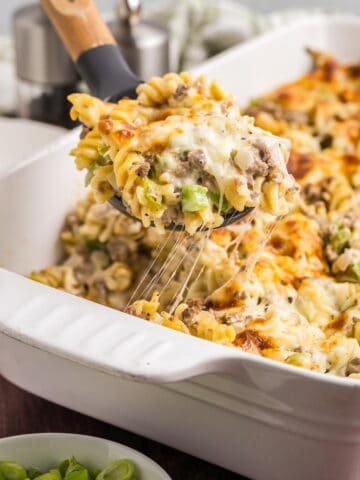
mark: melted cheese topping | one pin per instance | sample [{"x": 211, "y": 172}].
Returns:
[{"x": 294, "y": 299}]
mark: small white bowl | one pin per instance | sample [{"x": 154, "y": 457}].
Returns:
[{"x": 46, "y": 450}]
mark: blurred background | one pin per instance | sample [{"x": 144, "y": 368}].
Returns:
[
  {"x": 8, "y": 6},
  {"x": 155, "y": 36}
]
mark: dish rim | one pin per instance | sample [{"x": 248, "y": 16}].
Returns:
[{"x": 222, "y": 362}]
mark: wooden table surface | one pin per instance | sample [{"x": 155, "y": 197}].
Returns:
[{"x": 21, "y": 412}]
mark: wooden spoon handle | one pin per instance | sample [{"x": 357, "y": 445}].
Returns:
[{"x": 79, "y": 24}]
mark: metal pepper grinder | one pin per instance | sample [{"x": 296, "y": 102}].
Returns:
[
  {"x": 144, "y": 45},
  {"x": 46, "y": 75}
]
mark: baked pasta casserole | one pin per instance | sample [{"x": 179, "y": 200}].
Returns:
[
  {"x": 287, "y": 290},
  {"x": 181, "y": 154}
]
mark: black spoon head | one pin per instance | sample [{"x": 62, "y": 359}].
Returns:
[
  {"x": 229, "y": 218},
  {"x": 124, "y": 94}
]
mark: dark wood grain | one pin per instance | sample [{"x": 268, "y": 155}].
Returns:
[{"x": 21, "y": 412}]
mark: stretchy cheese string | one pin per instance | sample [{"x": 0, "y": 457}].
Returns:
[
  {"x": 179, "y": 243},
  {"x": 179, "y": 296},
  {"x": 159, "y": 249}
]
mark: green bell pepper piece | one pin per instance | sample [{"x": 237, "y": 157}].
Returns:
[{"x": 194, "y": 198}]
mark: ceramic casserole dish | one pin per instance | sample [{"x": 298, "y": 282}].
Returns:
[{"x": 265, "y": 420}]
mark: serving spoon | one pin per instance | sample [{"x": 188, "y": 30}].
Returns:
[{"x": 101, "y": 65}]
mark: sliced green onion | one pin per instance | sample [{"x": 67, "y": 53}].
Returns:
[
  {"x": 93, "y": 244},
  {"x": 12, "y": 471},
  {"x": 295, "y": 359},
  {"x": 156, "y": 164},
  {"x": 32, "y": 473},
  {"x": 219, "y": 201},
  {"x": 71, "y": 469},
  {"x": 103, "y": 150},
  {"x": 339, "y": 241},
  {"x": 119, "y": 470},
  {"x": 157, "y": 167},
  {"x": 64, "y": 466},
  {"x": 69, "y": 466},
  {"x": 355, "y": 270},
  {"x": 50, "y": 475},
  {"x": 90, "y": 173},
  {"x": 299, "y": 360},
  {"x": 152, "y": 194},
  {"x": 194, "y": 198},
  {"x": 80, "y": 474}
]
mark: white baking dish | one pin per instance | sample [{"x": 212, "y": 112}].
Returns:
[{"x": 263, "y": 419}]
